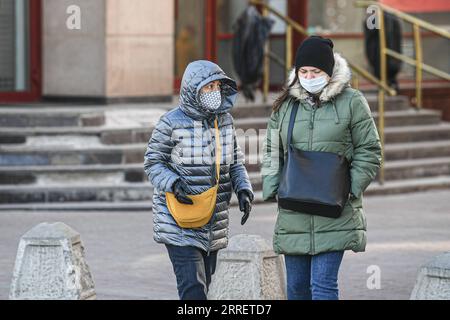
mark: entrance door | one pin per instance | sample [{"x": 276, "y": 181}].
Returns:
[
  {"x": 20, "y": 75},
  {"x": 204, "y": 30}
]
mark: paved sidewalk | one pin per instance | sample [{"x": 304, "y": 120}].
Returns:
[{"x": 405, "y": 231}]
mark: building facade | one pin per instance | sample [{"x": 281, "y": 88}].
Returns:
[{"x": 115, "y": 50}]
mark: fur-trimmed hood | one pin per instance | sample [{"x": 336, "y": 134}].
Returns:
[{"x": 338, "y": 82}]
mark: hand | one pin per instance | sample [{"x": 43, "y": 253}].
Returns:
[
  {"x": 179, "y": 190},
  {"x": 245, "y": 205}
]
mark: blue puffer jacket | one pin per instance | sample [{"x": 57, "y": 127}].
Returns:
[{"x": 182, "y": 146}]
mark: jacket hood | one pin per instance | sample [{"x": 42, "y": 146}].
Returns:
[
  {"x": 196, "y": 76},
  {"x": 338, "y": 82}
]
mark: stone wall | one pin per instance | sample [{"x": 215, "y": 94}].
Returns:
[{"x": 123, "y": 49}]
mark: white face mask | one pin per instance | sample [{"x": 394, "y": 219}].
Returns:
[
  {"x": 314, "y": 85},
  {"x": 211, "y": 100}
]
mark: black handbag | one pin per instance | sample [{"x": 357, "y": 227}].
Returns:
[{"x": 313, "y": 182}]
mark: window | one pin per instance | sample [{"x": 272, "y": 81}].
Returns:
[{"x": 14, "y": 45}]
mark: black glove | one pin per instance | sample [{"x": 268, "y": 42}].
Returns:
[
  {"x": 179, "y": 190},
  {"x": 245, "y": 205},
  {"x": 272, "y": 199}
]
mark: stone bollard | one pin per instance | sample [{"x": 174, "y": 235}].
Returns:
[
  {"x": 50, "y": 265},
  {"x": 248, "y": 270},
  {"x": 433, "y": 281}
]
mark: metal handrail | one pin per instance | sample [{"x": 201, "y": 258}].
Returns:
[
  {"x": 406, "y": 17},
  {"x": 295, "y": 26},
  {"x": 417, "y": 62},
  {"x": 434, "y": 71},
  {"x": 382, "y": 83},
  {"x": 292, "y": 25}
]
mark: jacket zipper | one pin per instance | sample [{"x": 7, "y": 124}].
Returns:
[
  {"x": 209, "y": 239},
  {"x": 211, "y": 222},
  {"x": 311, "y": 129}
]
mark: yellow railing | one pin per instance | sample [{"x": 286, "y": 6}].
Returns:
[
  {"x": 417, "y": 62},
  {"x": 382, "y": 84},
  {"x": 292, "y": 25}
]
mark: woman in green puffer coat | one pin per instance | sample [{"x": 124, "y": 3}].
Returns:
[{"x": 332, "y": 117}]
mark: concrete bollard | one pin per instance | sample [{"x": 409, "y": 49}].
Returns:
[
  {"x": 248, "y": 270},
  {"x": 50, "y": 265},
  {"x": 433, "y": 281}
]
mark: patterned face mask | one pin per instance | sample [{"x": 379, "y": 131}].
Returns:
[{"x": 211, "y": 100}]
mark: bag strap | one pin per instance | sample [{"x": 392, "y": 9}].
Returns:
[
  {"x": 218, "y": 150},
  {"x": 292, "y": 122}
]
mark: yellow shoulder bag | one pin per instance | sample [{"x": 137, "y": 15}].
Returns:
[{"x": 198, "y": 214}]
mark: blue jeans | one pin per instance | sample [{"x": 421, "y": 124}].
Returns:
[
  {"x": 193, "y": 269},
  {"x": 313, "y": 277}
]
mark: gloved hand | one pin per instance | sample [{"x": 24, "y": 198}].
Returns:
[
  {"x": 180, "y": 192},
  {"x": 245, "y": 205}
]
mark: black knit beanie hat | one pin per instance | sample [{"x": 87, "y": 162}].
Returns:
[{"x": 316, "y": 51}]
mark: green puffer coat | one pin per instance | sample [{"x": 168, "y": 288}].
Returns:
[{"x": 343, "y": 124}]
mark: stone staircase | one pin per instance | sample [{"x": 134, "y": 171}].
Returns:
[{"x": 72, "y": 158}]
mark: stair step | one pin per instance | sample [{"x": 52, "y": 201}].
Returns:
[
  {"x": 34, "y": 155},
  {"x": 112, "y": 136},
  {"x": 79, "y": 174},
  {"x": 410, "y": 117},
  {"x": 408, "y": 186},
  {"x": 16, "y": 155},
  {"x": 85, "y": 116},
  {"x": 105, "y": 135},
  {"x": 93, "y": 176},
  {"x": 393, "y": 151},
  {"x": 74, "y": 160},
  {"x": 98, "y": 205},
  {"x": 402, "y": 134},
  {"x": 419, "y": 133},
  {"x": 388, "y": 188},
  {"x": 80, "y": 193},
  {"x": 72, "y": 196},
  {"x": 265, "y": 109},
  {"x": 391, "y": 103},
  {"x": 80, "y": 206},
  {"x": 395, "y": 170},
  {"x": 418, "y": 168},
  {"x": 392, "y": 119},
  {"x": 76, "y": 174},
  {"x": 142, "y": 135},
  {"x": 50, "y": 118},
  {"x": 251, "y": 111},
  {"x": 417, "y": 150}
]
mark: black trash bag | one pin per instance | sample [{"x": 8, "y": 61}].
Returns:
[
  {"x": 251, "y": 31},
  {"x": 393, "y": 42}
]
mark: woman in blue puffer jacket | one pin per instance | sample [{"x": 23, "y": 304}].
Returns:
[{"x": 179, "y": 159}]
